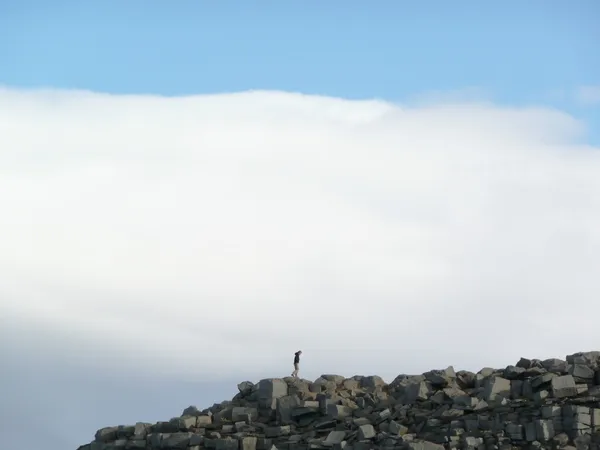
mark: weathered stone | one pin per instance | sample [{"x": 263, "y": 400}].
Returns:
[
  {"x": 424, "y": 445},
  {"x": 515, "y": 431},
  {"x": 196, "y": 439},
  {"x": 564, "y": 386},
  {"x": 372, "y": 382},
  {"x": 585, "y": 358},
  {"x": 541, "y": 380},
  {"x": 155, "y": 440},
  {"x": 248, "y": 443},
  {"x": 286, "y": 406},
  {"x": 277, "y": 431},
  {"x": 240, "y": 413},
  {"x": 191, "y": 411},
  {"x": 176, "y": 440},
  {"x": 184, "y": 422},
  {"x": 269, "y": 390},
  {"x": 141, "y": 430},
  {"x": 226, "y": 444},
  {"x": 338, "y": 411},
  {"x": 263, "y": 443},
  {"x": 397, "y": 429},
  {"x": 561, "y": 440},
  {"x": 540, "y": 396},
  {"x": 524, "y": 363},
  {"x": 366, "y": 432},
  {"x": 203, "y": 421},
  {"x": 440, "y": 378},
  {"x": 416, "y": 391},
  {"x": 495, "y": 387},
  {"x": 513, "y": 372},
  {"x": 581, "y": 372},
  {"x": 334, "y": 437},
  {"x": 106, "y": 434},
  {"x": 544, "y": 430},
  {"x": 245, "y": 387},
  {"x": 555, "y": 365}
]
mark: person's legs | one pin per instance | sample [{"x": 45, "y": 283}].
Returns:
[{"x": 295, "y": 372}]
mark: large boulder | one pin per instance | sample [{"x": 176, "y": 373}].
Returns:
[{"x": 269, "y": 390}]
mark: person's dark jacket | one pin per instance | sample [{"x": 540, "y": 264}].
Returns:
[{"x": 297, "y": 358}]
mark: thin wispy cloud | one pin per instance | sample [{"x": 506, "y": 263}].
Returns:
[
  {"x": 214, "y": 235},
  {"x": 588, "y": 95}
]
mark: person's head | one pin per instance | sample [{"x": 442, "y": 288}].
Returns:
[{"x": 299, "y": 352}]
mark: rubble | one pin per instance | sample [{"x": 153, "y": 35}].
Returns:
[{"x": 550, "y": 404}]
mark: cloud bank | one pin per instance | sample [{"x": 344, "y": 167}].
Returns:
[{"x": 214, "y": 235}]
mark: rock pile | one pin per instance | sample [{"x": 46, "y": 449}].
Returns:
[{"x": 533, "y": 404}]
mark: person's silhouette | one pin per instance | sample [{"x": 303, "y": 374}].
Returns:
[{"x": 296, "y": 363}]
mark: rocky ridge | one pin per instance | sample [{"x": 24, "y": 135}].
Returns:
[{"x": 534, "y": 404}]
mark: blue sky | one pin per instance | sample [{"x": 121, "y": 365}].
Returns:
[
  {"x": 515, "y": 52},
  {"x": 518, "y": 51}
]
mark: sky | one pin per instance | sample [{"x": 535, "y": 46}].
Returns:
[{"x": 191, "y": 192}]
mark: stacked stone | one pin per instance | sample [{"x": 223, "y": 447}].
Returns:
[{"x": 533, "y": 404}]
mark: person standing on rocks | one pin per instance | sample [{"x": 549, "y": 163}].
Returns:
[{"x": 296, "y": 363}]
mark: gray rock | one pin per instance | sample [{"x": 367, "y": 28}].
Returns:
[
  {"x": 513, "y": 372},
  {"x": 564, "y": 386},
  {"x": 495, "y": 387},
  {"x": 196, "y": 439},
  {"x": 191, "y": 411},
  {"x": 555, "y": 365},
  {"x": 372, "y": 382},
  {"x": 424, "y": 445},
  {"x": 203, "y": 421},
  {"x": 176, "y": 440},
  {"x": 524, "y": 363},
  {"x": 141, "y": 430},
  {"x": 416, "y": 391},
  {"x": 440, "y": 378},
  {"x": 269, "y": 390},
  {"x": 226, "y": 444},
  {"x": 285, "y": 407},
  {"x": 336, "y": 379},
  {"x": 515, "y": 431},
  {"x": 541, "y": 380},
  {"x": 366, "y": 432},
  {"x": 245, "y": 387},
  {"x": 544, "y": 430},
  {"x": 397, "y": 429},
  {"x": 184, "y": 423},
  {"x": 334, "y": 437},
  {"x": 240, "y": 413},
  {"x": 106, "y": 434},
  {"x": 581, "y": 372},
  {"x": 585, "y": 358},
  {"x": 338, "y": 411},
  {"x": 271, "y": 432},
  {"x": 248, "y": 443}
]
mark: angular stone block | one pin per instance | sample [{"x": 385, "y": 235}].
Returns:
[
  {"x": 366, "y": 432},
  {"x": 496, "y": 387},
  {"x": 269, "y": 390},
  {"x": 544, "y": 430},
  {"x": 334, "y": 437},
  {"x": 564, "y": 386}
]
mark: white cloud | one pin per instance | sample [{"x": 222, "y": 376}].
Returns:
[
  {"x": 215, "y": 235},
  {"x": 588, "y": 95}
]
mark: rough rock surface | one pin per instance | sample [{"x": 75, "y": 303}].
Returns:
[{"x": 534, "y": 404}]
